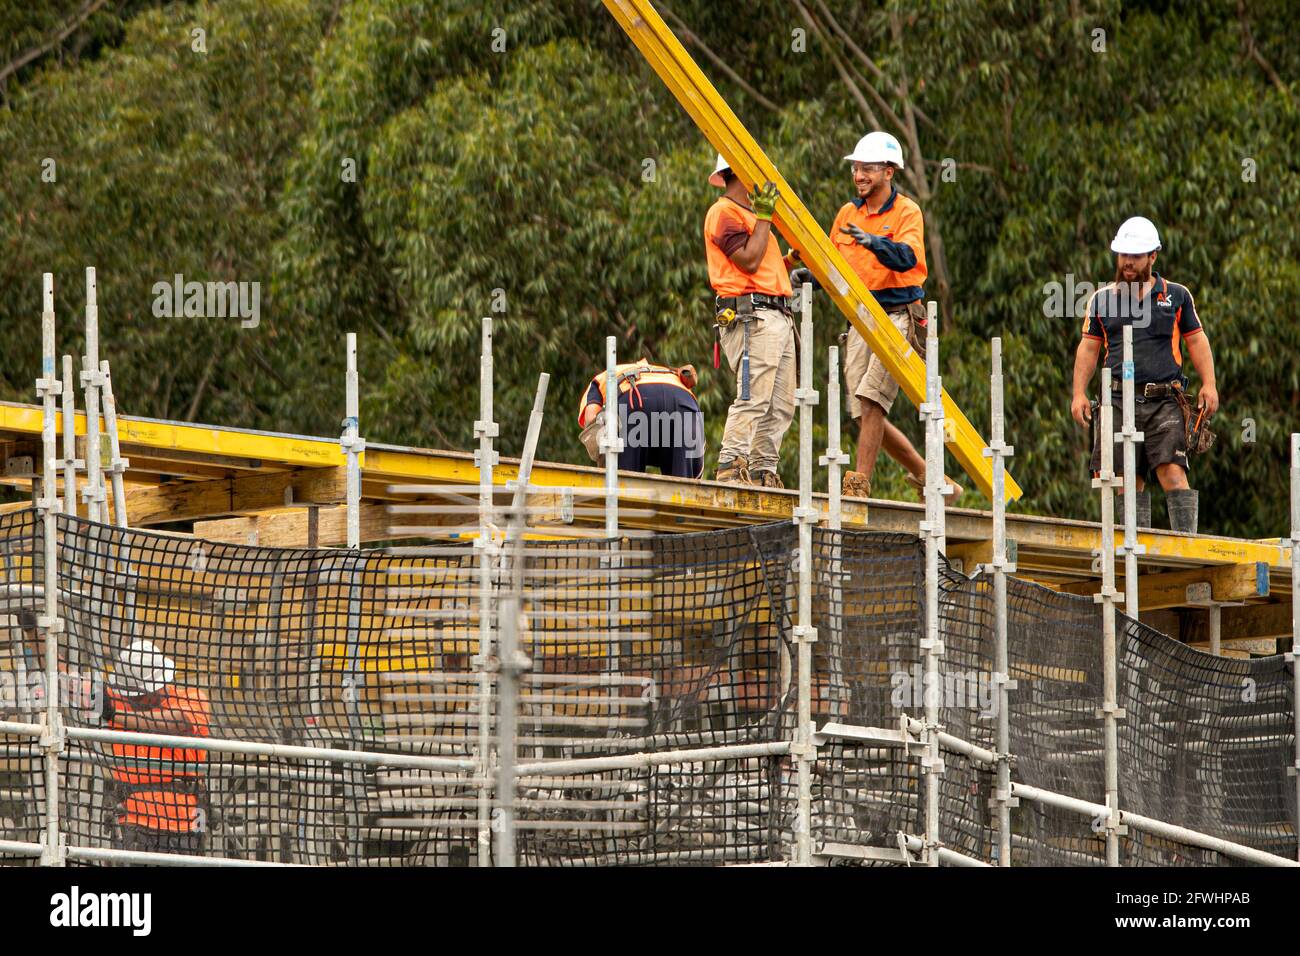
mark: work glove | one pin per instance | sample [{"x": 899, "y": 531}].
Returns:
[
  {"x": 864, "y": 239},
  {"x": 686, "y": 374},
  {"x": 763, "y": 201},
  {"x": 801, "y": 275}
]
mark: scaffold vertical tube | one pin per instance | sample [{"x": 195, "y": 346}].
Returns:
[
  {"x": 999, "y": 451},
  {"x": 93, "y": 493},
  {"x": 486, "y": 429},
  {"x": 1295, "y": 619},
  {"x": 353, "y": 445},
  {"x": 70, "y": 461},
  {"x": 613, "y": 446},
  {"x": 805, "y": 633},
  {"x": 1129, "y": 437},
  {"x": 834, "y": 460},
  {"x": 48, "y": 624},
  {"x": 1107, "y": 482},
  {"x": 931, "y": 646}
]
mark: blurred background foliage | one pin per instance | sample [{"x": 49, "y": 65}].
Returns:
[{"x": 401, "y": 168}]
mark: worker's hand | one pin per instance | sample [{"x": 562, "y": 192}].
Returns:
[
  {"x": 763, "y": 201},
  {"x": 1081, "y": 409},
  {"x": 1208, "y": 399},
  {"x": 865, "y": 239},
  {"x": 801, "y": 275}
]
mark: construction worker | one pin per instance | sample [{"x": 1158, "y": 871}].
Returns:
[
  {"x": 658, "y": 418},
  {"x": 881, "y": 235},
  {"x": 754, "y": 327},
  {"x": 157, "y": 794},
  {"x": 1163, "y": 317}
]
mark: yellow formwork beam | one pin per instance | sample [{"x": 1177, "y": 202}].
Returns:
[{"x": 723, "y": 128}]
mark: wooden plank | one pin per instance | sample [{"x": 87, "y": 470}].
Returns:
[
  {"x": 1251, "y": 646},
  {"x": 187, "y": 501},
  {"x": 1233, "y": 582}
]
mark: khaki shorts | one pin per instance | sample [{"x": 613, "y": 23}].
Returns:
[{"x": 865, "y": 375}]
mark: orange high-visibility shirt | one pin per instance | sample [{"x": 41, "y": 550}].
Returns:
[
  {"x": 164, "y": 808},
  {"x": 898, "y": 274},
  {"x": 727, "y": 225}
]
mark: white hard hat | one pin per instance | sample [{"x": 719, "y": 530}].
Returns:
[
  {"x": 142, "y": 669},
  {"x": 1136, "y": 237},
  {"x": 716, "y": 179},
  {"x": 877, "y": 148}
]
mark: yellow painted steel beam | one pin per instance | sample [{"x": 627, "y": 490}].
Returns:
[
  {"x": 293, "y": 450},
  {"x": 724, "y": 130}
]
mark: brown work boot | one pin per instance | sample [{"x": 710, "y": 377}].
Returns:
[
  {"x": 919, "y": 485},
  {"x": 768, "y": 479},
  {"x": 855, "y": 485},
  {"x": 735, "y": 471}
]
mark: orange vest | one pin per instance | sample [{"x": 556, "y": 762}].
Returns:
[
  {"x": 164, "y": 808},
  {"x": 901, "y": 222},
  {"x": 727, "y": 278},
  {"x": 629, "y": 377}
]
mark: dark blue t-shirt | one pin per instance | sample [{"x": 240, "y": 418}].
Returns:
[{"x": 1161, "y": 320}]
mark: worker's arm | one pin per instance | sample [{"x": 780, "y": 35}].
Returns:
[
  {"x": 1085, "y": 364},
  {"x": 748, "y": 255},
  {"x": 590, "y": 412},
  {"x": 162, "y": 720},
  {"x": 900, "y": 253},
  {"x": 1198, "y": 350}
]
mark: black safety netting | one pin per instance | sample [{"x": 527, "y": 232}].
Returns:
[{"x": 641, "y": 646}]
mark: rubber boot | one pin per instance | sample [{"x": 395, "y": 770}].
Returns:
[
  {"x": 1182, "y": 510},
  {"x": 1144, "y": 509}
]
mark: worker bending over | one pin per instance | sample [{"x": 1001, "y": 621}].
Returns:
[{"x": 658, "y": 419}]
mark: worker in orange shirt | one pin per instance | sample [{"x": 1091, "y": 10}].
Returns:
[
  {"x": 881, "y": 235},
  {"x": 158, "y": 794},
  {"x": 754, "y": 327}
]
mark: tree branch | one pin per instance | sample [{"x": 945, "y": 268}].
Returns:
[
  {"x": 1252, "y": 51},
  {"x": 84, "y": 14},
  {"x": 689, "y": 38},
  {"x": 875, "y": 70},
  {"x": 841, "y": 69}
]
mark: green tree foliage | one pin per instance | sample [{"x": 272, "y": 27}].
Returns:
[{"x": 403, "y": 168}]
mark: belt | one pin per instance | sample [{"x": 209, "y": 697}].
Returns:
[
  {"x": 1160, "y": 389},
  {"x": 754, "y": 300}
]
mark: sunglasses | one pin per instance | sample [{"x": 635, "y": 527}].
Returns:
[{"x": 869, "y": 167}]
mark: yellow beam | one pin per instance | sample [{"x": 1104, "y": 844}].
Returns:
[{"x": 723, "y": 128}]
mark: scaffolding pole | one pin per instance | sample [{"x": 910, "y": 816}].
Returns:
[
  {"x": 999, "y": 451},
  {"x": 1294, "y": 656},
  {"x": 1107, "y": 597},
  {"x": 70, "y": 462},
  {"x": 611, "y": 443},
  {"x": 48, "y": 387},
  {"x": 512, "y": 661},
  {"x": 1130, "y": 436},
  {"x": 117, "y": 465},
  {"x": 353, "y": 445},
  {"x": 834, "y": 459},
  {"x": 91, "y": 380},
  {"x": 486, "y": 430},
  {"x": 932, "y": 528},
  {"x": 805, "y": 635}
]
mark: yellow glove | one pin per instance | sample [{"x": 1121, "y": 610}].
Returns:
[{"x": 763, "y": 201}]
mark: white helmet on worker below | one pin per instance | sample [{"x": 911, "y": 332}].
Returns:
[
  {"x": 1136, "y": 237},
  {"x": 716, "y": 179},
  {"x": 877, "y": 148}
]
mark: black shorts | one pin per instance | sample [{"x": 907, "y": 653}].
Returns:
[
  {"x": 661, "y": 426},
  {"x": 148, "y": 840},
  {"x": 1164, "y": 436}
]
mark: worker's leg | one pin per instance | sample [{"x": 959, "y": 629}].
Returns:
[
  {"x": 897, "y": 447},
  {"x": 743, "y": 416},
  {"x": 778, "y": 359},
  {"x": 1165, "y": 446},
  {"x": 633, "y": 427},
  {"x": 871, "y": 431},
  {"x": 686, "y": 457}
]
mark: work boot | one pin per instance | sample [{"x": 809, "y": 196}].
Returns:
[
  {"x": 1144, "y": 509},
  {"x": 855, "y": 485},
  {"x": 735, "y": 471},
  {"x": 919, "y": 484},
  {"x": 1182, "y": 510},
  {"x": 768, "y": 479}
]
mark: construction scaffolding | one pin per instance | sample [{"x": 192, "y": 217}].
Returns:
[{"x": 787, "y": 693}]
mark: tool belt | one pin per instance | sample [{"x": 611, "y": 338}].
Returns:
[
  {"x": 726, "y": 308},
  {"x": 1199, "y": 437},
  {"x": 1163, "y": 390}
]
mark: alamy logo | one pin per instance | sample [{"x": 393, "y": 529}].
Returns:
[
  {"x": 1072, "y": 299},
  {"x": 77, "y": 909},
  {"x": 678, "y": 429},
  {"x": 962, "y": 690},
  {"x": 208, "y": 300}
]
